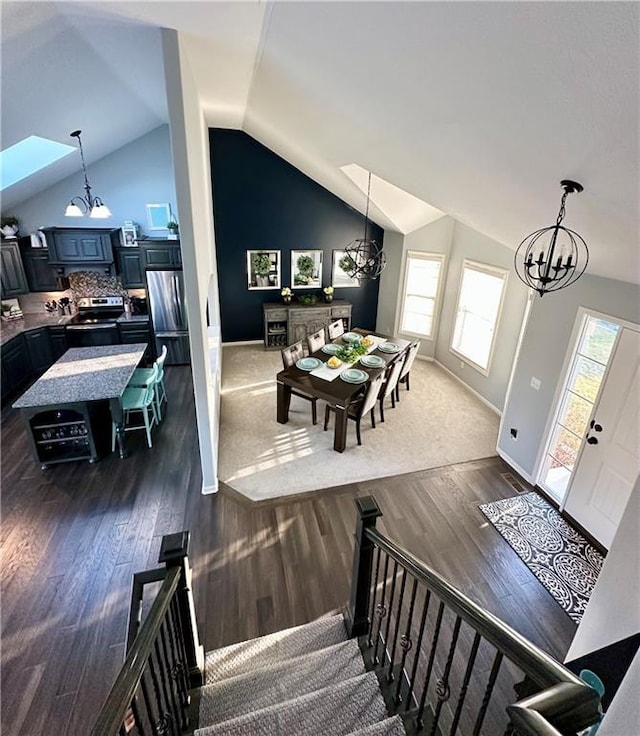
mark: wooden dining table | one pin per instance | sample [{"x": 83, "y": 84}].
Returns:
[{"x": 337, "y": 393}]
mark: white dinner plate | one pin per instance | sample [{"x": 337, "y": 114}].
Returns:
[
  {"x": 372, "y": 361},
  {"x": 330, "y": 348},
  {"x": 354, "y": 375},
  {"x": 351, "y": 337},
  {"x": 389, "y": 347},
  {"x": 308, "y": 364}
]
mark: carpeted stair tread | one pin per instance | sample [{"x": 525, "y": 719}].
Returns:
[
  {"x": 278, "y": 682},
  {"x": 388, "y": 727},
  {"x": 336, "y": 710},
  {"x": 247, "y": 656}
]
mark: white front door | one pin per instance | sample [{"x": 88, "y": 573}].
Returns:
[{"x": 609, "y": 461}]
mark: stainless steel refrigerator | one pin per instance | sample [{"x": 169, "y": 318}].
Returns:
[{"x": 165, "y": 294}]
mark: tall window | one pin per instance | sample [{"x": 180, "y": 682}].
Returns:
[
  {"x": 478, "y": 312},
  {"x": 421, "y": 284}
]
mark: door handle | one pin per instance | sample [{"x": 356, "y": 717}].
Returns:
[
  {"x": 592, "y": 440},
  {"x": 594, "y": 425}
]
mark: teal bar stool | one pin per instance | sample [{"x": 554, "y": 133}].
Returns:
[
  {"x": 591, "y": 679},
  {"x": 142, "y": 377},
  {"x": 139, "y": 400}
]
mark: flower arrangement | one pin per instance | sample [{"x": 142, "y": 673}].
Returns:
[
  {"x": 285, "y": 291},
  {"x": 328, "y": 290}
]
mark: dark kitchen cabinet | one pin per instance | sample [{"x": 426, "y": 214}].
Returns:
[
  {"x": 81, "y": 245},
  {"x": 38, "y": 344},
  {"x": 12, "y": 276},
  {"x": 138, "y": 331},
  {"x": 41, "y": 275},
  {"x": 161, "y": 253},
  {"x": 16, "y": 366},
  {"x": 130, "y": 267},
  {"x": 58, "y": 337}
]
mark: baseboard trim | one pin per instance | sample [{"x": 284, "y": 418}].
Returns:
[
  {"x": 520, "y": 471},
  {"x": 207, "y": 490},
  {"x": 486, "y": 402},
  {"x": 242, "y": 342}
]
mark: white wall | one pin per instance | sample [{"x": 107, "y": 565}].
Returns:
[
  {"x": 190, "y": 145},
  {"x": 544, "y": 346},
  {"x": 613, "y": 611},
  {"x": 136, "y": 174},
  {"x": 469, "y": 244}
]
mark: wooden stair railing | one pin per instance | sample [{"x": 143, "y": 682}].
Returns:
[
  {"x": 164, "y": 658},
  {"x": 428, "y": 643}
]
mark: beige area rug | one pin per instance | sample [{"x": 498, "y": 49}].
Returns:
[{"x": 437, "y": 423}]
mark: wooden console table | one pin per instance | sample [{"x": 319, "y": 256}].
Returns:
[{"x": 285, "y": 324}]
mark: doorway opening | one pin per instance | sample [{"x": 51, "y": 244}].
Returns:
[{"x": 584, "y": 376}]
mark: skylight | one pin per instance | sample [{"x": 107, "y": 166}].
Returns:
[{"x": 28, "y": 156}]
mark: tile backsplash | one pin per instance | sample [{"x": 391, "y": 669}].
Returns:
[
  {"x": 82, "y": 283},
  {"x": 90, "y": 283}
]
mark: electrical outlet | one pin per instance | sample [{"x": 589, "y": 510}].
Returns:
[
  {"x": 462, "y": 364},
  {"x": 535, "y": 383}
]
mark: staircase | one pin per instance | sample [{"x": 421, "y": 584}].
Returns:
[
  {"x": 309, "y": 679},
  {"x": 312, "y": 679}
]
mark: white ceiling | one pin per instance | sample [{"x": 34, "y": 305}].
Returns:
[{"x": 476, "y": 108}]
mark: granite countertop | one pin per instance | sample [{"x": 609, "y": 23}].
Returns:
[
  {"x": 133, "y": 318},
  {"x": 34, "y": 321},
  {"x": 85, "y": 374},
  {"x": 16, "y": 327}
]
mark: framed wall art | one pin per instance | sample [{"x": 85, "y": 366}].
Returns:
[
  {"x": 263, "y": 269},
  {"x": 340, "y": 278},
  {"x": 306, "y": 269},
  {"x": 158, "y": 215}
]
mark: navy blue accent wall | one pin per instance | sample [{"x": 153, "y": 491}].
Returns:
[{"x": 261, "y": 202}]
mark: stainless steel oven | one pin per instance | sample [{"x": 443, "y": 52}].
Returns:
[{"x": 96, "y": 322}]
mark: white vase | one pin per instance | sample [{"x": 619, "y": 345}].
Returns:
[{"x": 10, "y": 231}]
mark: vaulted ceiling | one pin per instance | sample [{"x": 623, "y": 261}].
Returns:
[{"x": 476, "y": 109}]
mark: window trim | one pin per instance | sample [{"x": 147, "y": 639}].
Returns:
[
  {"x": 492, "y": 271},
  {"x": 424, "y": 256}
]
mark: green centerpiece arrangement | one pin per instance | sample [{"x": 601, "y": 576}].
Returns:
[
  {"x": 308, "y": 300},
  {"x": 350, "y": 353}
]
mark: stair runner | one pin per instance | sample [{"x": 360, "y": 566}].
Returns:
[{"x": 305, "y": 681}]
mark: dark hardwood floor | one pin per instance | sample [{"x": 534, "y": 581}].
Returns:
[{"x": 72, "y": 536}]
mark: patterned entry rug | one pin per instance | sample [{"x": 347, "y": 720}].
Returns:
[{"x": 561, "y": 558}]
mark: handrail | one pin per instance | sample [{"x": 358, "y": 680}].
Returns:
[
  {"x": 564, "y": 704},
  {"x": 543, "y": 669},
  {"x": 123, "y": 691}
]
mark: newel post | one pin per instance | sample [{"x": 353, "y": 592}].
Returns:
[
  {"x": 173, "y": 552},
  {"x": 357, "y": 614}
]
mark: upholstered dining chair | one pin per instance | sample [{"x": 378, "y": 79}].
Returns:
[
  {"x": 143, "y": 376},
  {"x": 140, "y": 400},
  {"x": 290, "y": 356},
  {"x": 389, "y": 387},
  {"x": 316, "y": 341},
  {"x": 359, "y": 408},
  {"x": 410, "y": 356},
  {"x": 335, "y": 329}
]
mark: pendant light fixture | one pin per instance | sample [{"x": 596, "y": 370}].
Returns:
[
  {"x": 367, "y": 255},
  {"x": 79, "y": 206},
  {"x": 554, "y": 257}
]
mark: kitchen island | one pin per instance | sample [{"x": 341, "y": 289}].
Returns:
[{"x": 61, "y": 409}]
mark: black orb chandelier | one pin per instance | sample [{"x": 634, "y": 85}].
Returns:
[
  {"x": 367, "y": 257},
  {"x": 555, "y": 257}
]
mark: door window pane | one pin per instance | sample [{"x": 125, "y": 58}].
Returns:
[{"x": 589, "y": 362}]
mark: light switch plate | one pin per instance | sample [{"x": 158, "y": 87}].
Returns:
[{"x": 535, "y": 383}]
